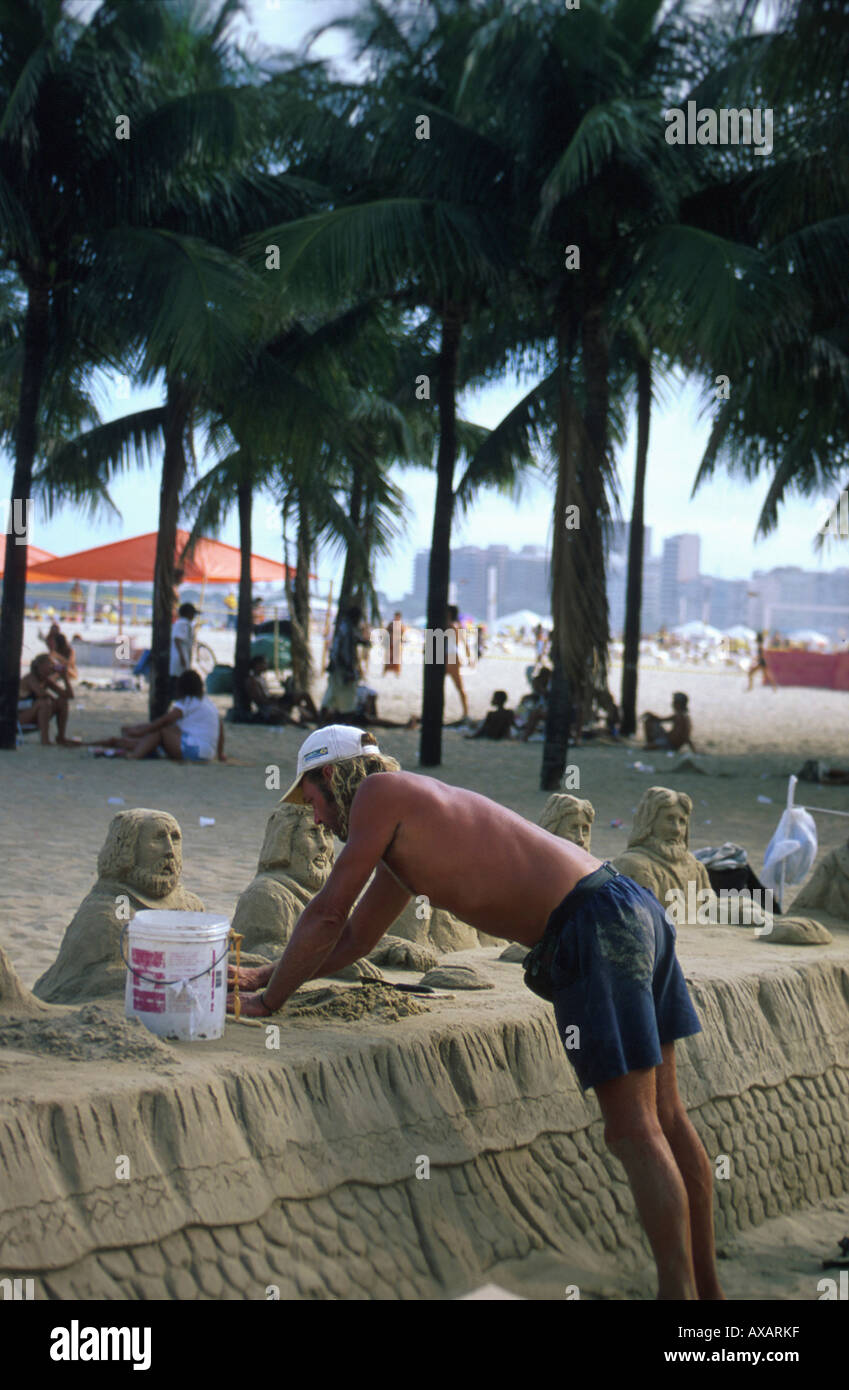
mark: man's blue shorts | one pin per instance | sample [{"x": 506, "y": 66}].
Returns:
[{"x": 619, "y": 992}]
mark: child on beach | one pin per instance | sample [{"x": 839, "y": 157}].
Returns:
[{"x": 498, "y": 721}]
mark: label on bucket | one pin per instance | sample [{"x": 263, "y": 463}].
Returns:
[
  {"x": 147, "y": 960},
  {"x": 149, "y": 1001}
]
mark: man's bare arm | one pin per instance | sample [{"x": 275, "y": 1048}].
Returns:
[
  {"x": 321, "y": 924},
  {"x": 381, "y": 904}
]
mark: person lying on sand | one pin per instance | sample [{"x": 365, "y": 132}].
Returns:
[
  {"x": 678, "y": 734},
  {"x": 498, "y": 721},
  {"x": 619, "y": 994},
  {"x": 44, "y": 695},
  {"x": 191, "y": 731}
]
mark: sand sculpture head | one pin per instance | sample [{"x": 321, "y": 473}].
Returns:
[
  {"x": 143, "y": 849},
  {"x": 292, "y": 843},
  {"x": 570, "y": 817},
  {"x": 662, "y": 824}
]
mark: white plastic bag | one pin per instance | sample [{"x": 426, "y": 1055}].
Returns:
[{"x": 791, "y": 851}]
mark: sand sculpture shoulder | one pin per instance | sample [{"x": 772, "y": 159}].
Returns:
[
  {"x": 139, "y": 867},
  {"x": 828, "y": 887}
]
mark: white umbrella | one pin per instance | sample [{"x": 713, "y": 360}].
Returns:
[
  {"x": 523, "y": 617},
  {"x": 807, "y": 634},
  {"x": 741, "y": 633},
  {"x": 697, "y": 631}
]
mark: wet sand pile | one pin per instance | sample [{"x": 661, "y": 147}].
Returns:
[
  {"x": 379, "y": 1003},
  {"x": 422, "y": 1160}
]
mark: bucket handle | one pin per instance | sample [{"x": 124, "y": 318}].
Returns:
[{"x": 137, "y": 975}]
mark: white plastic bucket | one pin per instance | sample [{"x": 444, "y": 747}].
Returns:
[{"x": 177, "y": 973}]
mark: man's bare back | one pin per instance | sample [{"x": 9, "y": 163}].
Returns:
[{"x": 467, "y": 854}]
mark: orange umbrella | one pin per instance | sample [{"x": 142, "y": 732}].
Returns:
[
  {"x": 132, "y": 561},
  {"x": 35, "y": 556}
]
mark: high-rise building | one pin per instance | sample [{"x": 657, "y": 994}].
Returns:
[{"x": 679, "y": 566}]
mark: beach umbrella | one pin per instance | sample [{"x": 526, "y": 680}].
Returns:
[
  {"x": 523, "y": 617},
  {"x": 35, "y": 556},
  {"x": 697, "y": 631},
  {"x": 809, "y": 635},
  {"x": 741, "y": 633},
  {"x": 133, "y": 561}
]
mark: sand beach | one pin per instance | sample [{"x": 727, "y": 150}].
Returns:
[{"x": 254, "y": 1168}]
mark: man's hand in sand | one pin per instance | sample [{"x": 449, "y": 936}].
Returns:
[
  {"x": 249, "y": 1005},
  {"x": 251, "y": 977}
]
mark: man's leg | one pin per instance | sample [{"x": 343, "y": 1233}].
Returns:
[
  {"x": 633, "y": 1133},
  {"x": 695, "y": 1168}
]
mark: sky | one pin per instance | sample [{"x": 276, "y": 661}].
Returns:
[{"x": 724, "y": 512}]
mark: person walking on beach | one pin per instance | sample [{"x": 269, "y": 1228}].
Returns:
[
  {"x": 452, "y": 656},
  {"x": 619, "y": 994},
  {"x": 395, "y": 649},
  {"x": 761, "y": 664}
]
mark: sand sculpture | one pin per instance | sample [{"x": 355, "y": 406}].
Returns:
[
  {"x": 138, "y": 867},
  {"x": 828, "y": 886},
  {"x": 658, "y": 857},
  {"x": 570, "y": 817},
  {"x": 448, "y": 976},
  {"x": 397, "y": 954},
  {"x": 436, "y": 928},
  {"x": 658, "y": 854},
  {"x": 294, "y": 863},
  {"x": 15, "y": 999}
]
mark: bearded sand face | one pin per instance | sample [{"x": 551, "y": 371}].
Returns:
[
  {"x": 294, "y": 844},
  {"x": 662, "y": 824},
  {"x": 312, "y": 856},
  {"x": 159, "y": 857}
]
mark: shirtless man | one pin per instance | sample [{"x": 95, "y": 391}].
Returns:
[
  {"x": 627, "y": 997},
  {"x": 43, "y": 694},
  {"x": 681, "y": 726}
]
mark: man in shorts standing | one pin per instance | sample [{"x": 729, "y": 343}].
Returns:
[{"x": 613, "y": 975}]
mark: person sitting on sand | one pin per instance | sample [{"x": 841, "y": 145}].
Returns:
[
  {"x": 64, "y": 656},
  {"x": 43, "y": 695},
  {"x": 678, "y": 734},
  {"x": 499, "y": 720},
  {"x": 276, "y": 709},
  {"x": 534, "y": 707},
  {"x": 605, "y": 958},
  {"x": 191, "y": 731}
]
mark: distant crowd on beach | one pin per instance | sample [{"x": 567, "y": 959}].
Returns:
[{"x": 192, "y": 730}]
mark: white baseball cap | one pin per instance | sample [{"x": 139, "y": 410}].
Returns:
[{"x": 332, "y": 744}]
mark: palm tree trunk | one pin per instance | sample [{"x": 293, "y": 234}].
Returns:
[
  {"x": 439, "y": 569},
  {"x": 244, "y": 615},
  {"x": 302, "y": 669},
  {"x": 556, "y": 747},
  {"x": 634, "y": 595},
  {"x": 350, "y": 572},
  {"x": 178, "y": 409},
  {"x": 15, "y": 568},
  {"x": 596, "y": 367}
]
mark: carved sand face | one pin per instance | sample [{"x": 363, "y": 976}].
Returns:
[
  {"x": 159, "y": 856},
  {"x": 670, "y": 826},
  {"x": 311, "y": 857},
  {"x": 577, "y": 828}
]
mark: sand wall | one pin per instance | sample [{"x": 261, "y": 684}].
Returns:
[{"x": 297, "y": 1168}]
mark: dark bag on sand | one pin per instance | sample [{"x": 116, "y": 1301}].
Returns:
[{"x": 538, "y": 962}]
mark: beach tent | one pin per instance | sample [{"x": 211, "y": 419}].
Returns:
[
  {"x": 809, "y": 636},
  {"x": 35, "y": 556},
  {"x": 523, "y": 617},
  {"x": 132, "y": 562},
  {"x": 741, "y": 633},
  {"x": 697, "y": 631}
]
